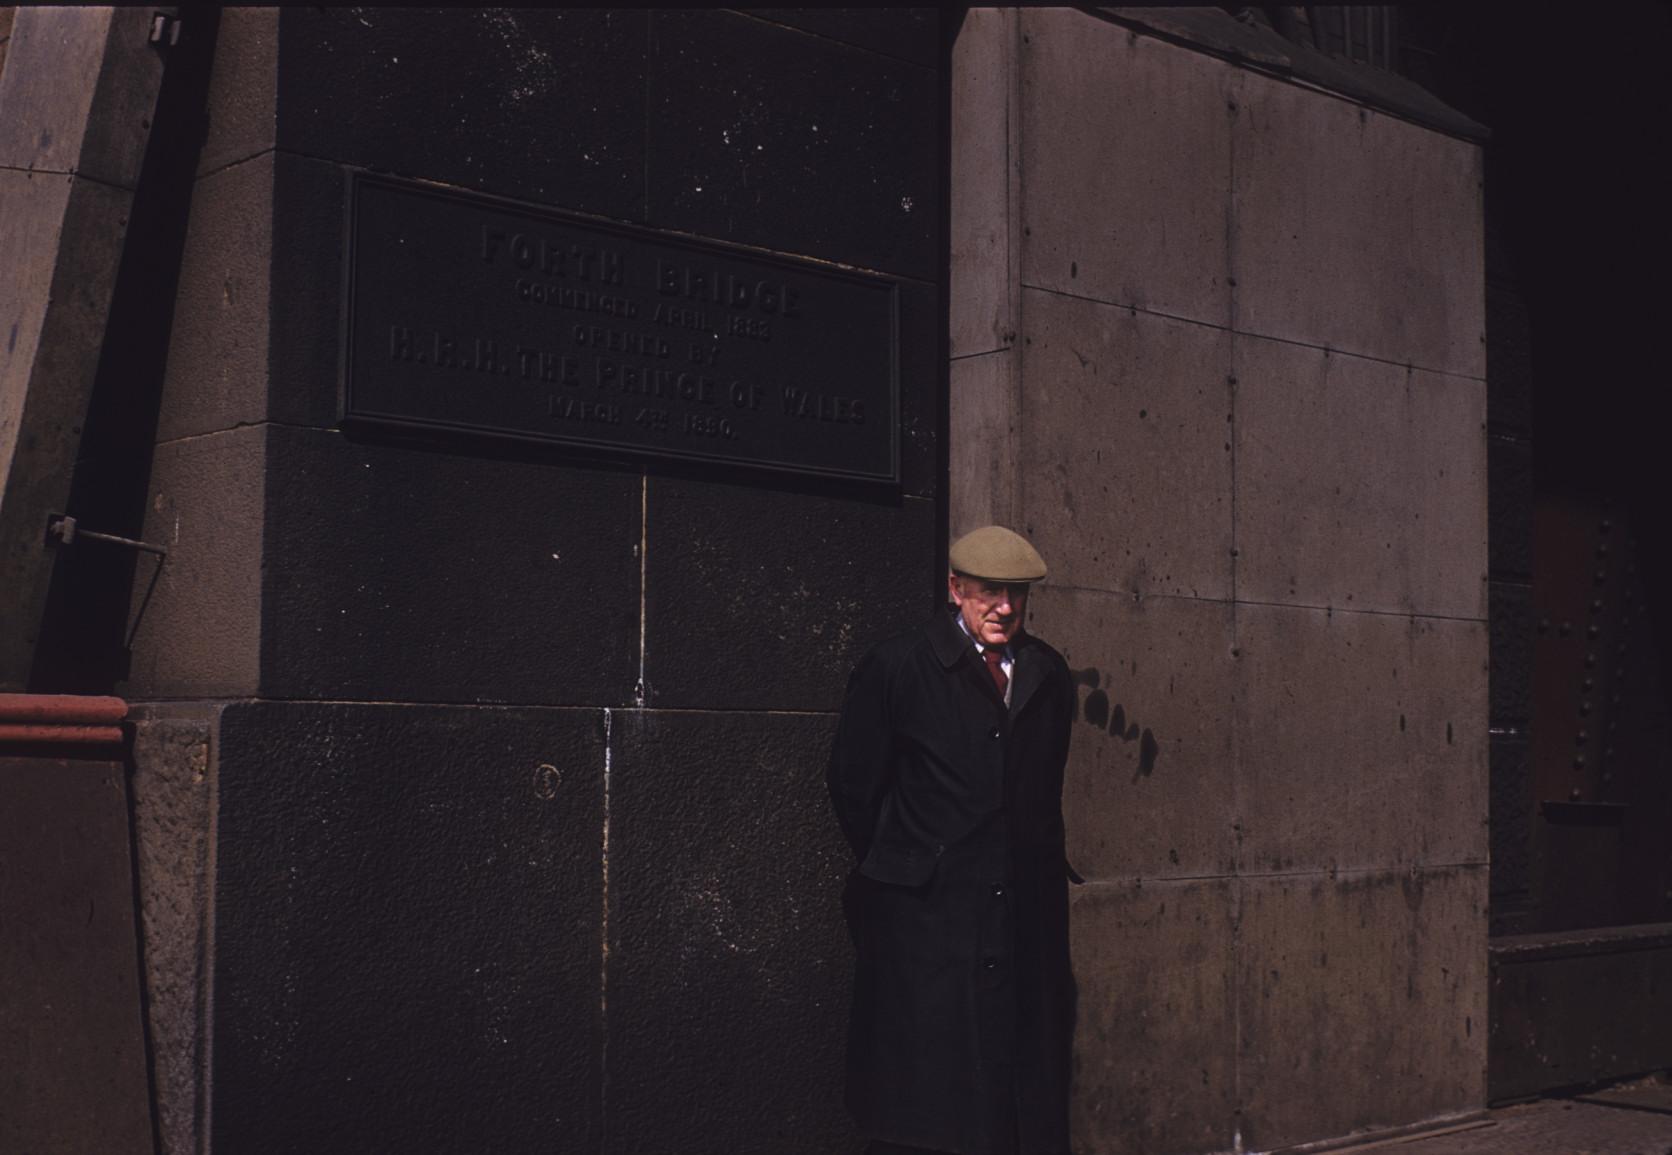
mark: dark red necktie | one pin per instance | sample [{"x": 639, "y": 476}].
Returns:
[{"x": 994, "y": 658}]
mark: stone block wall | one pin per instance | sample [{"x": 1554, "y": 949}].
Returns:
[
  {"x": 507, "y": 765},
  {"x": 1217, "y": 347}
]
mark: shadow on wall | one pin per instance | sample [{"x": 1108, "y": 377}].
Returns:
[{"x": 1095, "y": 710}]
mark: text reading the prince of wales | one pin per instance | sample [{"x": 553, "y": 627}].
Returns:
[{"x": 469, "y": 314}]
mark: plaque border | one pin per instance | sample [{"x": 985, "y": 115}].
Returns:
[{"x": 350, "y": 418}]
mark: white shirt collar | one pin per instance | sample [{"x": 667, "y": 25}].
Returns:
[{"x": 982, "y": 647}]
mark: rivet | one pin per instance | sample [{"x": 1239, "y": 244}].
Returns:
[
  {"x": 1584, "y": 708},
  {"x": 1607, "y": 777},
  {"x": 1582, "y": 737},
  {"x": 1596, "y": 605},
  {"x": 1579, "y": 761},
  {"x": 1574, "y": 795},
  {"x": 1602, "y": 550},
  {"x": 1567, "y": 628},
  {"x": 1586, "y": 683},
  {"x": 1613, "y": 699},
  {"x": 1590, "y": 660},
  {"x": 1606, "y": 525},
  {"x": 1593, "y": 631},
  {"x": 1544, "y": 625},
  {"x": 1601, "y": 576},
  {"x": 1608, "y": 752}
]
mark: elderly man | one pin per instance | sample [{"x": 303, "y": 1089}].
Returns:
[{"x": 946, "y": 777}]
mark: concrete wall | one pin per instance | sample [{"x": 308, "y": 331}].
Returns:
[
  {"x": 1217, "y": 347},
  {"x": 480, "y": 796}
]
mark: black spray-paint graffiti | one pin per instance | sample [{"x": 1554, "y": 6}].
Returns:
[{"x": 1096, "y": 711}]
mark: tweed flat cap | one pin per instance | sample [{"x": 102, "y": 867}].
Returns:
[{"x": 996, "y": 554}]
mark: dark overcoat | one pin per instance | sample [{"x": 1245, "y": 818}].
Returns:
[{"x": 963, "y": 1007}]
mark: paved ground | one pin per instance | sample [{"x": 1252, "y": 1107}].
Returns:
[{"x": 1633, "y": 1119}]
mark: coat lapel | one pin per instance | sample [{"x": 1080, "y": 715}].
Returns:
[
  {"x": 1028, "y": 674},
  {"x": 952, "y": 645}
]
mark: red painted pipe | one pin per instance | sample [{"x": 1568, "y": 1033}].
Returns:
[
  {"x": 48, "y": 719},
  {"x": 62, "y": 709}
]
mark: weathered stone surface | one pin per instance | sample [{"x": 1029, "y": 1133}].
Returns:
[
  {"x": 243, "y": 87},
  {"x": 1359, "y": 484},
  {"x": 79, "y": 90},
  {"x": 741, "y": 580},
  {"x": 1155, "y": 1042},
  {"x": 1150, "y": 791},
  {"x": 72, "y": 1047},
  {"x": 747, "y": 119},
  {"x": 257, "y": 331},
  {"x": 983, "y": 183},
  {"x": 172, "y": 789},
  {"x": 218, "y": 354},
  {"x": 545, "y": 105},
  {"x": 1124, "y": 448},
  {"x": 1361, "y": 740},
  {"x": 194, "y": 630},
  {"x": 405, "y": 573},
  {"x": 64, "y": 237},
  {"x": 729, "y": 970},
  {"x": 982, "y": 438},
  {"x": 1381, "y": 975},
  {"x": 922, "y": 389},
  {"x": 1126, "y": 163},
  {"x": 407, "y": 914},
  {"x": 909, "y": 33},
  {"x": 1355, "y": 230}
]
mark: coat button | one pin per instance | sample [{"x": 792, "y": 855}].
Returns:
[
  {"x": 989, "y": 962},
  {"x": 939, "y": 850},
  {"x": 995, "y": 732},
  {"x": 998, "y": 892}
]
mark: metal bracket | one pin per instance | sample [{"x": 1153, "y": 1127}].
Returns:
[
  {"x": 165, "y": 29},
  {"x": 62, "y": 530}
]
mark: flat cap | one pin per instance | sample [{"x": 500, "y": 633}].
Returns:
[{"x": 996, "y": 554}]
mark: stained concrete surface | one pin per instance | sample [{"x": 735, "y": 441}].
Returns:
[
  {"x": 1150, "y": 789},
  {"x": 1373, "y": 983},
  {"x": 1361, "y": 740},
  {"x": 1126, "y": 163},
  {"x": 1155, "y": 1039},
  {"x": 1340, "y": 210},
  {"x": 1125, "y": 462},
  {"x": 1357, "y": 482}
]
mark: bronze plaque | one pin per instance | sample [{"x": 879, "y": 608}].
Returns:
[{"x": 473, "y": 314}]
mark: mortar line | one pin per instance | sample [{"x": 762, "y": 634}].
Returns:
[
  {"x": 71, "y": 173},
  {"x": 1320, "y": 872},
  {"x": 1237, "y": 800},
  {"x": 1128, "y": 595},
  {"x": 1015, "y": 229},
  {"x": 1332, "y": 350}
]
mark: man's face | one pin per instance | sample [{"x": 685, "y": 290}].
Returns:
[{"x": 992, "y": 611}]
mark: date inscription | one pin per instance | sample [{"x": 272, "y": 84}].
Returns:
[{"x": 472, "y": 314}]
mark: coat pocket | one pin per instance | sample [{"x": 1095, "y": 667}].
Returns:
[{"x": 899, "y": 865}]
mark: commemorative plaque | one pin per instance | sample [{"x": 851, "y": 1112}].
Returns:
[{"x": 467, "y": 313}]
